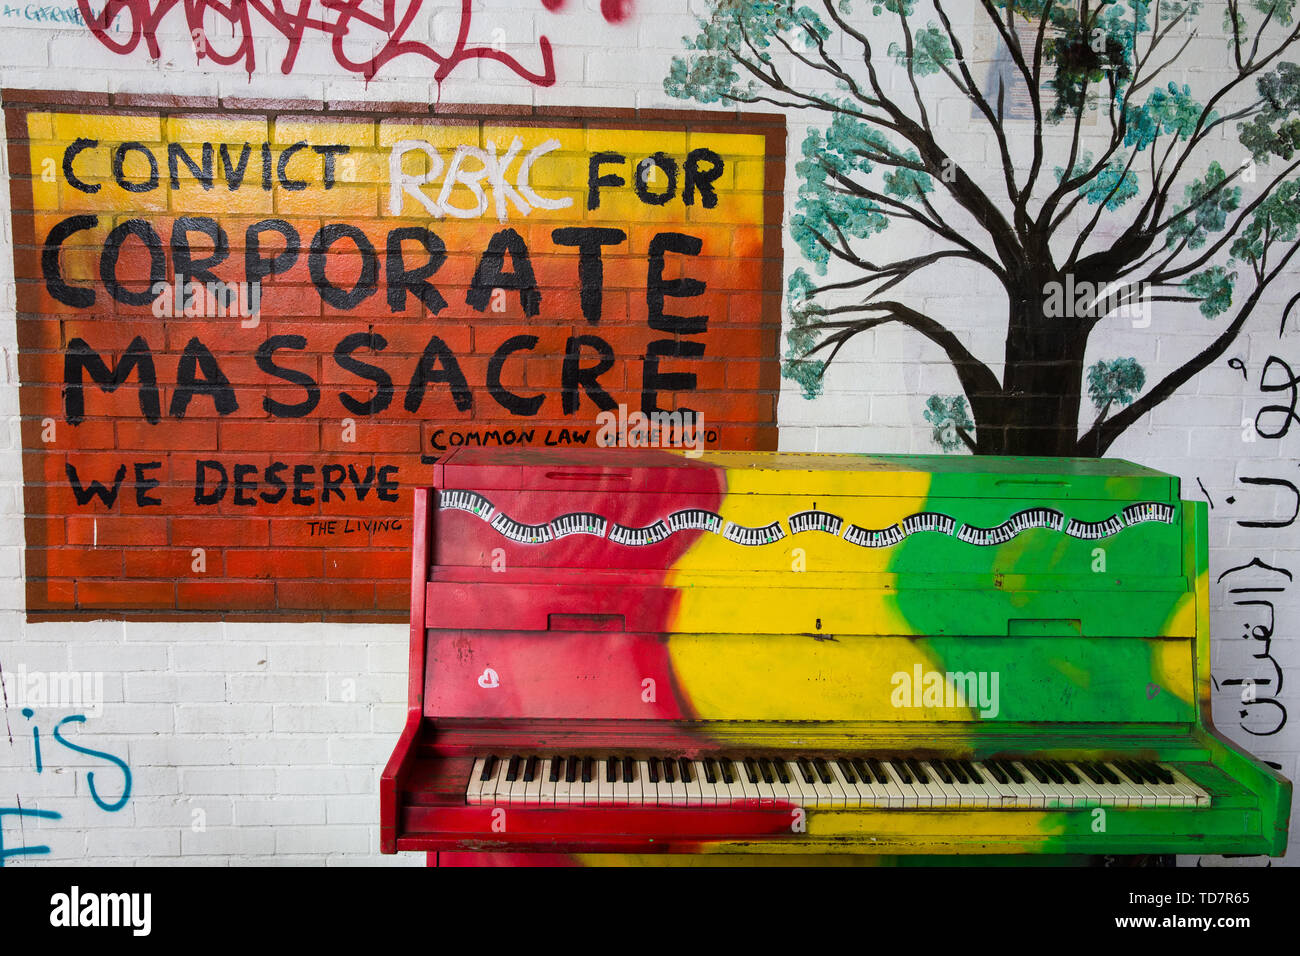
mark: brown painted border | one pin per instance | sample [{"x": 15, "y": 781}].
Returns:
[{"x": 18, "y": 103}]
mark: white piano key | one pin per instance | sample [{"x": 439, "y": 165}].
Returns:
[
  {"x": 604, "y": 788},
  {"x": 1200, "y": 798},
  {"x": 534, "y": 794},
  {"x": 839, "y": 797},
  {"x": 894, "y": 795},
  {"x": 1179, "y": 795},
  {"x": 677, "y": 788},
  {"x": 828, "y": 794},
  {"x": 500, "y": 786},
  {"x": 767, "y": 795},
  {"x": 1020, "y": 795},
  {"x": 1147, "y": 794},
  {"x": 747, "y": 787},
  {"x": 796, "y": 791},
  {"x": 1089, "y": 792},
  {"x": 475, "y": 784},
  {"x": 518, "y": 786},
  {"x": 982, "y": 793},
  {"x": 533, "y": 788},
  {"x": 849, "y": 785},
  {"x": 631, "y": 792},
  {"x": 1137, "y": 797},
  {"x": 736, "y": 794},
  {"x": 906, "y": 782},
  {"x": 945, "y": 794},
  {"x": 708, "y": 791},
  {"x": 694, "y": 791},
  {"x": 590, "y": 788},
  {"x": 566, "y": 793}
]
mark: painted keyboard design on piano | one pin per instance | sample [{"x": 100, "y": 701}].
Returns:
[
  {"x": 823, "y": 522},
  {"x": 836, "y": 782}
]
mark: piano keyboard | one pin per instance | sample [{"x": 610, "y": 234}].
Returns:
[{"x": 828, "y": 783}]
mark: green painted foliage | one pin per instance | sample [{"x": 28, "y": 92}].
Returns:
[
  {"x": 948, "y": 415},
  {"x": 826, "y": 205},
  {"x": 931, "y": 51},
  {"x": 1214, "y": 287},
  {"x": 1275, "y": 131},
  {"x": 1113, "y": 185},
  {"x": 1212, "y": 200},
  {"x": 1116, "y": 382},
  {"x": 1171, "y": 110},
  {"x": 1276, "y": 219}
]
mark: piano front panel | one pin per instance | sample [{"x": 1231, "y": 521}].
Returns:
[
  {"x": 761, "y": 532},
  {"x": 740, "y": 677}
]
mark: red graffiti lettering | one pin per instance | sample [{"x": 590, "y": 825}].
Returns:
[{"x": 342, "y": 20}]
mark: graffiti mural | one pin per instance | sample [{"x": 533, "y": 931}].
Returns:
[
  {"x": 352, "y": 27},
  {"x": 244, "y": 335},
  {"x": 1113, "y": 202}
]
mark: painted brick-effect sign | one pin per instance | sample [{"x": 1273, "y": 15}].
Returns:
[{"x": 246, "y": 334}]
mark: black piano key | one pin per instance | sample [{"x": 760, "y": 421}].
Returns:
[
  {"x": 1039, "y": 773},
  {"x": 767, "y": 770},
  {"x": 823, "y": 771},
  {"x": 512, "y": 769},
  {"x": 904, "y": 773},
  {"x": 611, "y": 770},
  {"x": 846, "y": 768},
  {"x": 653, "y": 764},
  {"x": 710, "y": 771},
  {"x": 864, "y": 772},
  {"x": 1106, "y": 772},
  {"x": 917, "y": 770},
  {"x": 972, "y": 772},
  {"x": 489, "y": 768},
  {"x": 1013, "y": 772},
  {"x": 684, "y": 766},
  {"x": 1131, "y": 771},
  {"x": 629, "y": 770},
  {"x": 1145, "y": 769},
  {"x": 1162, "y": 773},
  {"x": 724, "y": 765},
  {"x": 878, "y": 769},
  {"x": 1052, "y": 774},
  {"x": 1090, "y": 769},
  {"x": 999, "y": 775},
  {"x": 806, "y": 768},
  {"x": 530, "y": 770},
  {"x": 588, "y": 768},
  {"x": 556, "y": 764},
  {"x": 571, "y": 770},
  {"x": 782, "y": 770},
  {"x": 751, "y": 770},
  {"x": 1064, "y": 770}
]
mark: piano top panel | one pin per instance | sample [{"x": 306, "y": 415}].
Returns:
[{"x": 810, "y": 473}]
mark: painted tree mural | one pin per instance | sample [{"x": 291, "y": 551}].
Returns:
[{"x": 1113, "y": 139}]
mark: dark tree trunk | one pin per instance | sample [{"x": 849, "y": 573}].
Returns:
[{"x": 1037, "y": 413}]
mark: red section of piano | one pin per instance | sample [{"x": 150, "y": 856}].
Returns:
[
  {"x": 599, "y": 675},
  {"x": 506, "y": 655}
]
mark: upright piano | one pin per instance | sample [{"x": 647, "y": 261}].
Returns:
[{"x": 638, "y": 651}]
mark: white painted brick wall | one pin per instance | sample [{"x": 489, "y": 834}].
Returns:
[{"x": 241, "y": 743}]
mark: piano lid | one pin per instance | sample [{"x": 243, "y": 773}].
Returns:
[{"x": 913, "y": 476}]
